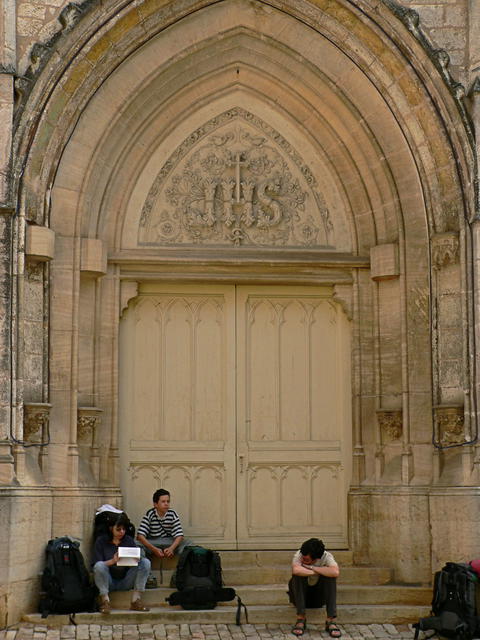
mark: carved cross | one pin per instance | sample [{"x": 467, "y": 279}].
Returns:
[{"x": 238, "y": 162}]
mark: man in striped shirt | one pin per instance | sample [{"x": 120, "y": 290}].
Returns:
[{"x": 160, "y": 531}]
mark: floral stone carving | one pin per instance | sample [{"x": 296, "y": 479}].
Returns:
[
  {"x": 390, "y": 422},
  {"x": 449, "y": 422},
  {"x": 88, "y": 419},
  {"x": 35, "y": 421},
  {"x": 235, "y": 181}
]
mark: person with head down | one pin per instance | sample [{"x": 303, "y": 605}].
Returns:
[{"x": 314, "y": 584}]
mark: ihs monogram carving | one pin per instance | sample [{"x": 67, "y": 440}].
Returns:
[{"x": 235, "y": 181}]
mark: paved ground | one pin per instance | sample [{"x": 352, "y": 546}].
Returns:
[{"x": 201, "y": 632}]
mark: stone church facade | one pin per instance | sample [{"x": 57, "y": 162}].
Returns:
[{"x": 239, "y": 259}]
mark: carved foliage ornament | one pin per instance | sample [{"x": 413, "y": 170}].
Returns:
[
  {"x": 450, "y": 424},
  {"x": 88, "y": 420},
  {"x": 391, "y": 424},
  {"x": 235, "y": 181},
  {"x": 35, "y": 420}
]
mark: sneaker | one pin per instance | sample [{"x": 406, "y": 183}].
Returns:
[
  {"x": 137, "y": 605},
  {"x": 151, "y": 582}
]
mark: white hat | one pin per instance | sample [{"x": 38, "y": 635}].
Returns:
[{"x": 107, "y": 507}]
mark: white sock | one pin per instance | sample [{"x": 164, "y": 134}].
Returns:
[
  {"x": 106, "y": 598},
  {"x": 135, "y": 596}
]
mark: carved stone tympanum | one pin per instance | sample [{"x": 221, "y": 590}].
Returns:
[
  {"x": 235, "y": 181},
  {"x": 449, "y": 422},
  {"x": 35, "y": 421}
]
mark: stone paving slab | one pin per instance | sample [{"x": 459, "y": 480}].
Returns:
[{"x": 202, "y": 632}]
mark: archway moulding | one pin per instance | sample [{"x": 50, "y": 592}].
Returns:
[{"x": 62, "y": 91}]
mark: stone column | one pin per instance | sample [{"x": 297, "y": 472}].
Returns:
[
  {"x": 7, "y": 210},
  {"x": 89, "y": 419},
  {"x": 6, "y": 363}
]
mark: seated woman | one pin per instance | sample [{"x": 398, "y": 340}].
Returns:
[{"x": 110, "y": 577}]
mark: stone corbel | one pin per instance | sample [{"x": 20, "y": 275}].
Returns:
[
  {"x": 36, "y": 416},
  {"x": 449, "y": 423},
  {"x": 128, "y": 291},
  {"x": 445, "y": 249},
  {"x": 390, "y": 422},
  {"x": 39, "y": 243},
  {"x": 93, "y": 260},
  {"x": 342, "y": 293},
  {"x": 384, "y": 262},
  {"x": 88, "y": 420}
]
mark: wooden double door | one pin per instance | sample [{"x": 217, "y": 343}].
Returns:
[{"x": 237, "y": 399}]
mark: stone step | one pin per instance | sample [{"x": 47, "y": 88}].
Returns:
[
  {"x": 262, "y": 558},
  {"x": 271, "y": 574},
  {"x": 277, "y": 595},
  {"x": 233, "y": 559},
  {"x": 347, "y": 614}
]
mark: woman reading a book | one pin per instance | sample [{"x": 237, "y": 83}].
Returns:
[{"x": 108, "y": 570}]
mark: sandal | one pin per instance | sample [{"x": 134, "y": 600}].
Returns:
[
  {"x": 137, "y": 605},
  {"x": 299, "y": 627},
  {"x": 332, "y": 629},
  {"x": 104, "y": 606}
]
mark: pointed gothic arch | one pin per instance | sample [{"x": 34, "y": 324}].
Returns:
[{"x": 371, "y": 114}]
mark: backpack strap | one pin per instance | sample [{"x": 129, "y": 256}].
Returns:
[
  {"x": 217, "y": 569},
  {"x": 416, "y": 626},
  {"x": 180, "y": 573},
  {"x": 239, "y": 612}
]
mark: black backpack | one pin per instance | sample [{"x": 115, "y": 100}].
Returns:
[
  {"x": 453, "y": 604},
  {"x": 106, "y": 519},
  {"x": 65, "y": 579},
  {"x": 199, "y": 582}
]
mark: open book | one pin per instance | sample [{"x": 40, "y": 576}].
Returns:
[{"x": 128, "y": 556}]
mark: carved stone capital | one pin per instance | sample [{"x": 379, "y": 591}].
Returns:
[
  {"x": 88, "y": 420},
  {"x": 35, "y": 420},
  {"x": 449, "y": 422},
  {"x": 391, "y": 423},
  {"x": 445, "y": 249}
]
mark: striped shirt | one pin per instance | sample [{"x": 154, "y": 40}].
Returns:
[{"x": 153, "y": 526}]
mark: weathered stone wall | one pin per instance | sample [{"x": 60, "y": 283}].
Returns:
[
  {"x": 37, "y": 21},
  {"x": 446, "y": 24},
  {"x": 449, "y": 24}
]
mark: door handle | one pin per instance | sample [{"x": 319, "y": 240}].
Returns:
[{"x": 241, "y": 458}]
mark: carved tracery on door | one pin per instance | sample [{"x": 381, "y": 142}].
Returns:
[
  {"x": 238, "y": 399},
  {"x": 236, "y": 181}
]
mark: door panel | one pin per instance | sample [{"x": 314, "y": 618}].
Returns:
[
  {"x": 238, "y": 401},
  {"x": 293, "y": 426},
  {"x": 177, "y": 411}
]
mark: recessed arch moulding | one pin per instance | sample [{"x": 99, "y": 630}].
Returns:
[{"x": 267, "y": 142}]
